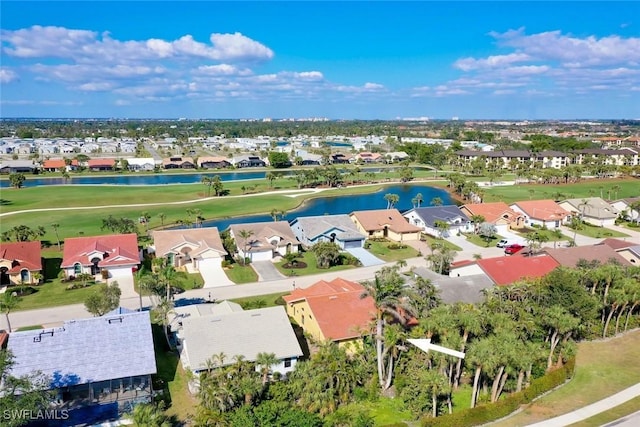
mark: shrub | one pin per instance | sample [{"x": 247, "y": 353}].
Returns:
[
  {"x": 78, "y": 285},
  {"x": 225, "y": 263},
  {"x": 394, "y": 246}
]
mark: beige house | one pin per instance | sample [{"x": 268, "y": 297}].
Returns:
[
  {"x": 387, "y": 223},
  {"x": 19, "y": 261},
  {"x": 266, "y": 240},
  {"x": 189, "y": 249}
]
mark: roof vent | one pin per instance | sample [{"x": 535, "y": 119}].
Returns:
[
  {"x": 256, "y": 315},
  {"x": 115, "y": 320},
  {"x": 333, "y": 297}
]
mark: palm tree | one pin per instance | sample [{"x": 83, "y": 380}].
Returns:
[
  {"x": 148, "y": 414},
  {"x": 477, "y": 220},
  {"x": 8, "y": 302},
  {"x": 388, "y": 296},
  {"x": 442, "y": 227},
  {"x": 55, "y": 227},
  {"x": 162, "y": 217},
  {"x": 436, "y": 201},
  {"x": 480, "y": 354},
  {"x": 417, "y": 200},
  {"x": 208, "y": 182},
  {"x": 270, "y": 176},
  {"x": 162, "y": 312},
  {"x": 265, "y": 361},
  {"x": 245, "y": 235},
  {"x": 392, "y": 200},
  {"x": 146, "y": 216}
]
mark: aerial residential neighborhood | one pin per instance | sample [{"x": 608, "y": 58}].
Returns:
[{"x": 319, "y": 214}]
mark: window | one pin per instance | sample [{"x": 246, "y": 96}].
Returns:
[
  {"x": 287, "y": 362},
  {"x": 77, "y": 268}
]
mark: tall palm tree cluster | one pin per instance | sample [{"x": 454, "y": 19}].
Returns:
[{"x": 518, "y": 333}]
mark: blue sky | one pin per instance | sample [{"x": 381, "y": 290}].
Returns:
[{"x": 340, "y": 60}]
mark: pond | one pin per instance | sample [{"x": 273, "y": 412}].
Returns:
[
  {"x": 160, "y": 178},
  {"x": 346, "y": 204}
]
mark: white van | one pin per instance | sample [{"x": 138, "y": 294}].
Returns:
[{"x": 502, "y": 243}]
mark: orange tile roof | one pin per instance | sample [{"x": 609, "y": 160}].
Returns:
[
  {"x": 378, "y": 219},
  {"x": 507, "y": 270},
  {"x": 544, "y": 210},
  {"x": 616, "y": 244},
  {"x": 22, "y": 255},
  {"x": 492, "y": 212},
  {"x": 337, "y": 307},
  {"x": 101, "y": 162},
  {"x": 122, "y": 250},
  {"x": 57, "y": 163}
]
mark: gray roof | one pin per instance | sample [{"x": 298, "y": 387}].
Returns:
[
  {"x": 467, "y": 289},
  {"x": 17, "y": 164},
  {"x": 595, "y": 207},
  {"x": 200, "y": 310},
  {"x": 87, "y": 350},
  {"x": 244, "y": 333},
  {"x": 315, "y": 226},
  {"x": 431, "y": 214}
]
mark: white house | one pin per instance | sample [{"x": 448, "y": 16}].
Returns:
[
  {"x": 426, "y": 218},
  {"x": 593, "y": 210},
  {"x": 624, "y": 207},
  {"x": 265, "y": 240},
  {"x": 543, "y": 213}
]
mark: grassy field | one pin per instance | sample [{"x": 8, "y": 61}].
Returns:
[
  {"x": 588, "y": 188},
  {"x": 477, "y": 240},
  {"x": 603, "y": 368},
  {"x": 620, "y": 411},
  {"x": 599, "y": 232},
  {"x": 447, "y": 244},
  {"x": 268, "y": 300},
  {"x": 382, "y": 251}
]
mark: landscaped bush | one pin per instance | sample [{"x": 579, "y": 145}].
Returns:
[
  {"x": 348, "y": 259},
  {"x": 79, "y": 285},
  {"x": 22, "y": 290},
  {"x": 489, "y": 412},
  {"x": 395, "y": 246},
  {"x": 225, "y": 263}
]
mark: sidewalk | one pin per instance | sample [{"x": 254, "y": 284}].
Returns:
[{"x": 591, "y": 410}]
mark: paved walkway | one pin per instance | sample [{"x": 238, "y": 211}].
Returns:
[{"x": 591, "y": 410}]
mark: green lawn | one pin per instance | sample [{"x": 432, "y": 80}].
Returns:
[
  {"x": 53, "y": 294},
  {"x": 239, "y": 273},
  {"x": 603, "y": 368},
  {"x": 261, "y": 301},
  {"x": 583, "y": 189},
  {"x": 382, "y": 251},
  {"x": 478, "y": 240},
  {"x": 29, "y": 328},
  {"x": 385, "y": 411},
  {"x": 599, "y": 232},
  {"x": 550, "y": 234},
  {"x": 310, "y": 259},
  {"x": 447, "y": 244}
]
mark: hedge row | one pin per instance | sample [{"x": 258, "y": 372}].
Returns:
[{"x": 492, "y": 411}]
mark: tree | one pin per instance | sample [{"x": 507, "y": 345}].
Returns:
[
  {"x": 218, "y": 186},
  {"x": 279, "y": 160},
  {"x": 55, "y": 227},
  {"x": 442, "y": 227},
  {"x": 406, "y": 173},
  {"x": 266, "y": 361},
  {"x": 389, "y": 298},
  {"x": 25, "y": 394},
  {"x": 104, "y": 299},
  {"x": 277, "y": 214},
  {"x": 162, "y": 216},
  {"x": 417, "y": 200},
  {"x": 22, "y": 233},
  {"x": 271, "y": 177},
  {"x": 477, "y": 220},
  {"x": 487, "y": 231},
  {"x": 145, "y": 216},
  {"x": 149, "y": 414},
  {"x": 161, "y": 315},
  {"x": 8, "y": 302},
  {"x": 436, "y": 201},
  {"x": 17, "y": 180},
  {"x": 208, "y": 182},
  {"x": 392, "y": 200},
  {"x": 245, "y": 235},
  {"x": 119, "y": 225},
  {"x": 327, "y": 254}
]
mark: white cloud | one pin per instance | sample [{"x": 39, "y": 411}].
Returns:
[
  {"x": 7, "y": 75},
  {"x": 223, "y": 70},
  {"x": 496, "y": 61}
]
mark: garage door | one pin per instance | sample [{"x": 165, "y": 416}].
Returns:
[
  {"x": 350, "y": 244},
  {"x": 121, "y": 272}
]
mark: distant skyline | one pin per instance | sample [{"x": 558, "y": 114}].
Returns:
[{"x": 339, "y": 60}]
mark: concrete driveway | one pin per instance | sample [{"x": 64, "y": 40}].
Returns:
[
  {"x": 213, "y": 274},
  {"x": 266, "y": 271},
  {"x": 366, "y": 258}
]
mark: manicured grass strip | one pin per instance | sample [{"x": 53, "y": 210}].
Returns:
[
  {"x": 447, "y": 244},
  {"x": 30, "y": 328},
  {"x": 599, "y": 232},
  {"x": 603, "y": 368},
  {"x": 580, "y": 190},
  {"x": 382, "y": 251},
  {"x": 613, "y": 414},
  {"x": 238, "y": 273},
  {"x": 478, "y": 240},
  {"x": 53, "y": 294},
  {"x": 310, "y": 259},
  {"x": 260, "y": 301}
]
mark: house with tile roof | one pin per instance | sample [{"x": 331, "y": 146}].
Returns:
[
  {"x": 107, "y": 256},
  {"x": 496, "y": 213},
  {"x": 333, "y": 311},
  {"x": 204, "y": 330},
  {"x": 18, "y": 262},
  {"x": 101, "y": 164},
  {"x": 592, "y": 210},
  {"x": 506, "y": 270},
  {"x": 571, "y": 257},
  {"x": 426, "y": 218},
  {"x": 542, "y": 213},
  {"x": 189, "y": 248},
  {"x": 107, "y": 360},
  {"x": 266, "y": 241},
  {"x": 339, "y": 229},
  {"x": 631, "y": 254},
  {"x": 617, "y": 244},
  {"x": 385, "y": 223},
  {"x": 54, "y": 165},
  {"x": 178, "y": 162}
]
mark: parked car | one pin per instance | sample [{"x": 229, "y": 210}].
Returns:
[
  {"x": 512, "y": 249},
  {"x": 502, "y": 243}
]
